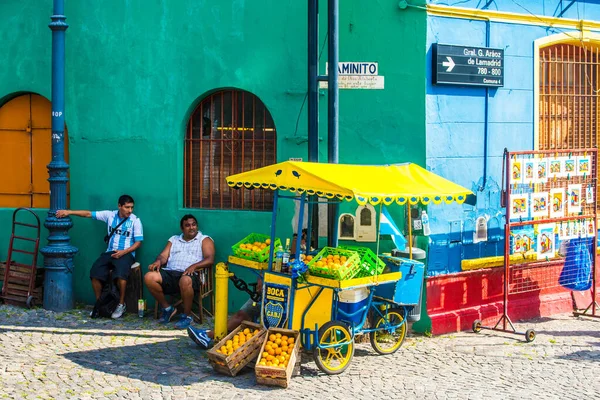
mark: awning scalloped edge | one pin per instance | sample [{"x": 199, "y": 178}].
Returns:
[{"x": 362, "y": 200}]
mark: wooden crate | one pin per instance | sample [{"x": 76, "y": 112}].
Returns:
[
  {"x": 276, "y": 376},
  {"x": 18, "y": 289},
  {"x": 231, "y": 365}
]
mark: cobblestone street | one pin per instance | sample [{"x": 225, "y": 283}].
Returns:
[{"x": 67, "y": 355}]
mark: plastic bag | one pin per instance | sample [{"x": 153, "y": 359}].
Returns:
[{"x": 577, "y": 271}]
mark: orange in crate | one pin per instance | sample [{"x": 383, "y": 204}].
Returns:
[
  {"x": 335, "y": 263},
  {"x": 254, "y": 247},
  {"x": 237, "y": 349},
  {"x": 277, "y": 357}
]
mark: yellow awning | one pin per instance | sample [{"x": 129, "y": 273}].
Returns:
[{"x": 400, "y": 183}]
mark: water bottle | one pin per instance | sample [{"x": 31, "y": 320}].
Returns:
[
  {"x": 285, "y": 262},
  {"x": 278, "y": 259},
  {"x": 425, "y": 223}
]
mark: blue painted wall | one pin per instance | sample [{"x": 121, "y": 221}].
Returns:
[{"x": 455, "y": 122}]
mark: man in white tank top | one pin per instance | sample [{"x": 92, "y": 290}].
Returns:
[{"x": 175, "y": 270}]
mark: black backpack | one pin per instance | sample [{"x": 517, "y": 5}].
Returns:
[{"x": 107, "y": 302}]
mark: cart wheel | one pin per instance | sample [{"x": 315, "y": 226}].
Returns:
[
  {"x": 386, "y": 340},
  {"x": 30, "y": 302},
  {"x": 529, "y": 335},
  {"x": 338, "y": 351},
  {"x": 477, "y": 326}
]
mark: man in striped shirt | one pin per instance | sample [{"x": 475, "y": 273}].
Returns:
[
  {"x": 182, "y": 258},
  {"x": 125, "y": 236}
]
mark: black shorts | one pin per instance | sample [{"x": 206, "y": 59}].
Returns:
[
  {"x": 170, "y": 281},
  {"x": 105, "y": 263}
]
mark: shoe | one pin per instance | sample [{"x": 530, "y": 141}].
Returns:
[
  {"x": 184, "y": 322},
  {"x": 119, "y": 311},
  {"x": 167, "y": 314},
  {"x": 200, "y": 337}
]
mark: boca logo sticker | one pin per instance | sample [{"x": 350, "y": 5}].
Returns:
[
  {"x": 276, "y": 304},
  {"x": 274, "y": 313}
]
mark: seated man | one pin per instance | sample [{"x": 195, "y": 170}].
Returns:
[
  {"x": 250, "y": 311},
  {"x": 183, "y": 256},
  {"x": 124, "y": 237}
]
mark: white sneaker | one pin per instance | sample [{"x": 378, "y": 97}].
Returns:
[{"x": 119, "y": 311}]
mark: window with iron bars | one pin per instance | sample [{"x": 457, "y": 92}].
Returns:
[
  {"x": 568, "y": 97},
  {"x": 231, "y": 131}
]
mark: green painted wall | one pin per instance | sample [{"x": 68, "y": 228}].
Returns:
[{"x": 136, "y": 69}]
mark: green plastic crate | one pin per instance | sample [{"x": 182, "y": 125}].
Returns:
[
  {"x": 247, "y": 254},
  {"x": 347, "y": 270},
  {"x": 369, "y": 262}
]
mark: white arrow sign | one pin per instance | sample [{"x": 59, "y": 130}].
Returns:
[{"x": 450, "y": 64}]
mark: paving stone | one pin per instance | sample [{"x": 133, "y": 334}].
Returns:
[{"x": 67, "y": 355}]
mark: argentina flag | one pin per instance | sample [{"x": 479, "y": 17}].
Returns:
[{"x": 387, "y": 226}]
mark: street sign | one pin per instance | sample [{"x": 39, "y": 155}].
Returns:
[
  {"x": 467, "y": 66},
  {"x": 357, "y": 75}
]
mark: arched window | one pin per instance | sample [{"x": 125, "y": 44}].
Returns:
[
  {"x": 569, "y": 87},
  {"x": 231, "y": 131},
  {"x": 26, "y": 150}
]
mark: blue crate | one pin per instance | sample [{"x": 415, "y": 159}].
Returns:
[{"x": 407, "y": 290}]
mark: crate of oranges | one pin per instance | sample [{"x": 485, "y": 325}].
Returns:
[
  {"x": 237, "y": 349},
  {"x": 254, "y": 247},
  {"x": 335, "y": 263},
  {"x": 277, "y": 357}
]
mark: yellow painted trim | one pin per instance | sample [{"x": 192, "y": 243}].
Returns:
[
  {"x": 278, "y": 279},
  {"x": 242, "y": 262},
  {"x": 511, "y": 18},
  {"x": 581, "y": 37},
  {"x": 498, "y": 261},
  {"x": 356, "y": 282}
]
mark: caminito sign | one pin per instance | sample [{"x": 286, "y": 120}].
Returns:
[{"x": 467, "y": 66}]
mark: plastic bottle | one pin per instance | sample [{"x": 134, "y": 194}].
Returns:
[
  {"x": 285, "y": 266},
  {"x": 425, "y": 223},
  {"x": 278, "y": 259}
]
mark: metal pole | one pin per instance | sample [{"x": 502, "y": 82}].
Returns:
[
  {"x": 58, "y": 253},
  {"x": 333, "y": 109},
  {"x": 313, "y": 109}
]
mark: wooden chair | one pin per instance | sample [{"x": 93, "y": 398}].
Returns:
[
  {"x": 135, "y": 287},
  {"x": 206, "y": 290}
]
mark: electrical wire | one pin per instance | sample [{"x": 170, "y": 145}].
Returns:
[
  {"x": 578, "y": 38},
  {"x": 306, "y": 95}
]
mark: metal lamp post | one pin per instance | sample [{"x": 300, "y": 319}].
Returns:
[{"x": 58, "y": 253}]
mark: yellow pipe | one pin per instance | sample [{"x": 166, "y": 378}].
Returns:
[
  {"x": 221, "y": 298},
  {"x": 509, "y": 17},
  {"x": 496, "y": 261}
]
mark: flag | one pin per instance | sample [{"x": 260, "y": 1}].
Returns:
[{"x": 387, "y": 226}]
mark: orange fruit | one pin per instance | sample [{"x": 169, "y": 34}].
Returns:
[
  {"x": 272, "y": 337},
  {"x": 278, "y": 351}
]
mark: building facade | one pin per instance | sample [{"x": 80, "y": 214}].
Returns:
[{"x": 164, "y": 99}]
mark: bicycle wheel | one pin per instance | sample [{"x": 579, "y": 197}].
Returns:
[
  {"x": 336, "y": 357},
  {"x": 387, "y": 340}
]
